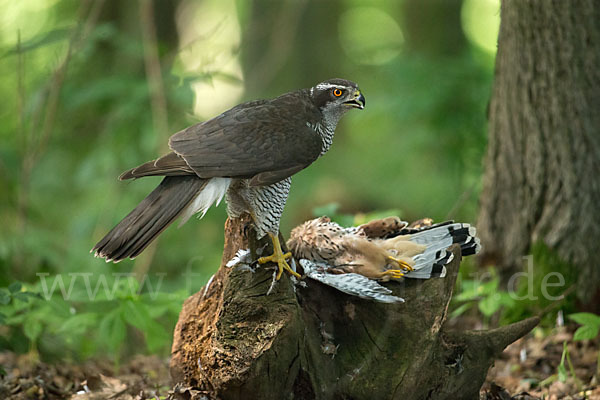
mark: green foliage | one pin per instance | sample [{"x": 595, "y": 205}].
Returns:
[
  {"x": 104, "y": 320},
  {"x": 544, "y": 283},
  {"x": 59, "y": 193},
  {"x": 562, "y": 369},
  {"x": 484, "y": 293},
  {"x": 590, "y": 325},
  {"x": 535, "y": 290},
  {"x": 562, "y": 373},
  {"x": 589, "y": 329}
]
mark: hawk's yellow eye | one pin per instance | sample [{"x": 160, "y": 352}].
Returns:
[{"x": 337, "y": 92}]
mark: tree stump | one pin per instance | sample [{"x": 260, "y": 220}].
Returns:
[{"x": 232, "y": 341}]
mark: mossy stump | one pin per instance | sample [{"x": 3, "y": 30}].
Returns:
[{"x": 232, "y": 341}]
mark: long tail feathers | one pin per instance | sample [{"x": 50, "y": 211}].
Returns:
[
  {"x": 142, "y": 225},
  {"x": 437, "y": 238}
]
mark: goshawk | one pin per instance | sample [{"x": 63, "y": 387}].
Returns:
[{"x": 247, "y": 154}]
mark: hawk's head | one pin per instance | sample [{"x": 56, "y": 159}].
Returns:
[{"x": 336, "y": 96}]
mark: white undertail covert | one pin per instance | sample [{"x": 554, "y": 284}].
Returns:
[{"x": 212, "y": 193}]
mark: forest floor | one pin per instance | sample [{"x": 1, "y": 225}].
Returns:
[{"x": 527, "y": 370}]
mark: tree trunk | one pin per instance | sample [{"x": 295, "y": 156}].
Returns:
[
  {"x": 541, "y": 181},
  {"x": 232, "y": 341}
]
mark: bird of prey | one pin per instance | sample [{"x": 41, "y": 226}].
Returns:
[
  {"x": 247, "y": 154},
  {"x": 384, "y": 249}
]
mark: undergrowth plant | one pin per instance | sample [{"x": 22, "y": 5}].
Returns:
[
  {"x": 589, "y": 330},
  {"x": 113, "y": 322}
]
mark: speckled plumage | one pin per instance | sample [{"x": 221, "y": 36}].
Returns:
[{"x": 247, "y": 154}]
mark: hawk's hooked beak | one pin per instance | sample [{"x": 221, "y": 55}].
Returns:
[{"x": 358, "y": 101}]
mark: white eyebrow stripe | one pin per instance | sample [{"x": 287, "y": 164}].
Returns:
[{"x": 322, "y": 86}]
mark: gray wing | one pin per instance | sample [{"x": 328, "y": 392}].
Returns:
[
  {"x": 264, "y": 141},
  {"x": 350, "y": 283}
]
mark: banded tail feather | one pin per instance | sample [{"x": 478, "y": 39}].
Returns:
[{"x": 437, "y": 239}]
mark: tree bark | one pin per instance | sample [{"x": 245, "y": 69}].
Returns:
[
  {"x": 232, "y": 341},
  {"x": 543, "y": 161}
]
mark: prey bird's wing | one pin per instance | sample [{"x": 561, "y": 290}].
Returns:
[{"x": 262, "y": 141}]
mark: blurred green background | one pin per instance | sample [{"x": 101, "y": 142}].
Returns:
[{"x": 91, "y": 88}]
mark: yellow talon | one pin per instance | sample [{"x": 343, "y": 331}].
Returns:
[
  {"x": 279, "y": 258},
  {"x": 394, "y": 273},
  {"x": 402, "y": 264}
]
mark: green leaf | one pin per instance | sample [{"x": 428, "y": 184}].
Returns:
[
  {"x": 490, "y": 287},
  {"x": 326, "y": 210},
  {"x": 136, "y": 314},
  {"x": 22, "y": 296},
  {"x": 78, "y": 324},
  {"x": 34, "y": 295},
  {"x": 157, "y": 311},
  {"x": 156, "y": 336},
  {"x": 2, "y": 319},
  {"x": 562, "y": 373},
  {"x": 562, "y": 370},
  {"x": 489, "y": 305},
  {"x": 112, "y": 330},
  {"x": 59, "y": 307},
  {"x": 460, "y": 310},
  {"x": 15, "y": 287},
  {"x": 506, "y": 300},
  {"x": 586, "y": 332},
  {"x": 586, "y": 319},
  {"x": 32, "y": 327},
  {"x": 468, "y": 290},
  {"x": 4, "y": 296}
]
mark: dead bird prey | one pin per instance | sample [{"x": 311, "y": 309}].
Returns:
[{"x": 383, "y": 249}]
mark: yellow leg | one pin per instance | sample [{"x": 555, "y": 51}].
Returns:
[
  {"x": 279, "y": 258},
  {"x": 401, "y": 264},
  {"x": 393, "y": 273}
]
